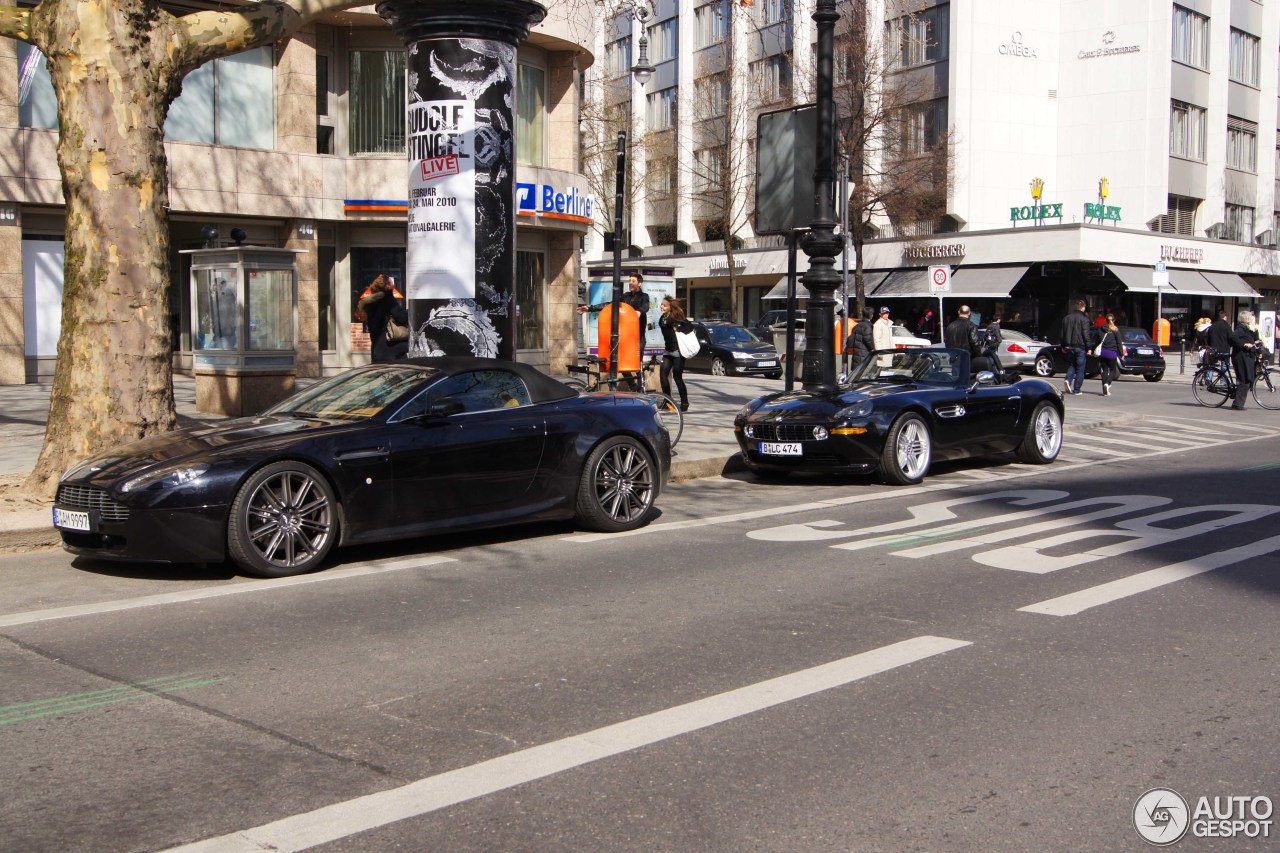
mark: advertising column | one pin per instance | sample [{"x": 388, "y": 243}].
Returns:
[{"x": 460, "y": 132}]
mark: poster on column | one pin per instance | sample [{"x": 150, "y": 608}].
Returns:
[{"x": 442, "y": 200}]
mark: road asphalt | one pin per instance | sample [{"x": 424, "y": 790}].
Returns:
[{"x": 706, "y": 449}]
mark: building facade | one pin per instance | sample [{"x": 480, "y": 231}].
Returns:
[
  {"x": 1123, "y": 153},
  {"x": 301, "y": 145}
]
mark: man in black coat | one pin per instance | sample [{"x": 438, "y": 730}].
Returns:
[
  {"x": 861, "y": 339},
  {"x": 1075, "y": 339},
  {"x": 961, "y": 333},
  {"x": 1244, "y": 348}
]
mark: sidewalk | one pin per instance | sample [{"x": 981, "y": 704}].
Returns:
[{"x": 706, "y": 449}]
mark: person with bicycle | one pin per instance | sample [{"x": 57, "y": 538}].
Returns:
[
  {"x": 1244, "y": 344},
  {"x": 673, "y": 320}
]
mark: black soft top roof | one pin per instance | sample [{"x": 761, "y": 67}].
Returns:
[{"x": 542, "y": 388}]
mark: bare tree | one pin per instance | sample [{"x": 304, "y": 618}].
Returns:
[
  {"x": 116, "y": 67},
  {"x": 891, "y": 125}
]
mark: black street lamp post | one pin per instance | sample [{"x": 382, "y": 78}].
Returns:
[{"x": 822, "y": 244}]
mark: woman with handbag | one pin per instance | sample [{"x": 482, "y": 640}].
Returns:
[
  {"x": 381, "y": 304},
  {"x": 1108, "y": 353},
  {"x": 673, "y": 324}
]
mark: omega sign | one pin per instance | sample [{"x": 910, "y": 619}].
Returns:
[
  {"x": 926, "y": 251},
  {"x": 1015, "y": 47}
]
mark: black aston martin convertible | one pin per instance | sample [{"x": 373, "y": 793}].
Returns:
[
  {"x": 381, "y": 452},
  {"x": 898, "y": 412}
]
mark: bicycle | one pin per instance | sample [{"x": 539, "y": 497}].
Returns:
[
  {"x": 593, "y": 380},
  {"x": 1214, "y": 383}
]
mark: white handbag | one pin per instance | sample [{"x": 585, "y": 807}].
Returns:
[{"x": 688, "y": 344}]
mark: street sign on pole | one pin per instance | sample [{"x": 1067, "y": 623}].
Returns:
[{"x": 940, "y": 279}]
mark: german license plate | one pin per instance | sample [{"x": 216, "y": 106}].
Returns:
[
  {"x": 775, "y": 448},
  {"x": 768, "y": 363},
  {"x": 69, "y": 520},
  {"x": 1146, "y": 351}
]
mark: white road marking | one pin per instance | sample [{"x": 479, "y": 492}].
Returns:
[
  {"x": 340, "y": 820},
  {"x": 237, "y": 588},
  {"x": 1078, "y": 602}
]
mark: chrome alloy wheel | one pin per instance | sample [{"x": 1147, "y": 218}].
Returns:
[
  {"x": 913, "y": 450},
  {"x": 624, "y": 483},
  {"x": 290, "y": 519},
  {"x": 1048, "y": 432}
]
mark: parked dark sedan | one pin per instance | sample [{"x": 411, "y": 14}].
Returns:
[
  {"x": 381, "y": 452},
  {"x": 1139, "y": 356},
  {"x": 900, "y": 411},
  {"x": 729, "y": 350}
]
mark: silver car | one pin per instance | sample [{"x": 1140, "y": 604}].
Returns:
[{"x": 1017, "y": 350}]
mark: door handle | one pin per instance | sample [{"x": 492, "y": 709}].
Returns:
[
  {"x": 365, "y": 453},
  {"x": 527, "y": 428}
]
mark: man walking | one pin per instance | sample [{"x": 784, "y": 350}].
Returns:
[
  {"x": 962, "y": 334},
  {"x": 1075, "y": 338}
]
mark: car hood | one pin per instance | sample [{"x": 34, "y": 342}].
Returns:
[
  {"x": 194, "y": 443},
  {"x": 758, "y": 346},
  {"x": 807, "y": 404}
]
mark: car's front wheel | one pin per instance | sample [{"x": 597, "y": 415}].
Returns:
[
  {"x": 718, "y": 367},
  {"x": 908, "y": 450},
  {"x": 284, "y": 521},
  {"x": 618, "y": 486},
  {"x": 1044, "y": 365},
  {"x": 1043, "y": 439}
]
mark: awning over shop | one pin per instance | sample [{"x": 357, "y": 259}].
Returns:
[
  {"x": 779, "y": 290},
  {"x": 985, "y": 281},
  {"x": 1136, "y": 279},
  {"x": 902, "y": 283},
  {"x": 1230, "y": 284}
]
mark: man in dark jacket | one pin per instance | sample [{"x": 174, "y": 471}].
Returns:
[
  {"x": 1218, "y": 336},
  {"x": 862, "y": 340},
  {"x": 637, "y": 299},
  {"x": 1075, "y": 339},
  {"x": 961, "y": 333}
]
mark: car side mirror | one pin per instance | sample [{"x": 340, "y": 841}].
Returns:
[{"x": 985, "y": 377}]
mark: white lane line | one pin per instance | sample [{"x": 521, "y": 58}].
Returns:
[
  {"x": 344, "y": 819},
  {"x": 237, "y": 588},
  {"x": 1078, "y": 602},
  {"x": 933, "y": 486}
]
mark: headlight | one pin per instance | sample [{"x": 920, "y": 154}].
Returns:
[
  {"x": 743, "y": 356},
  {"x": 169, "y": 477},
  {"x": 857, "y": 410}
]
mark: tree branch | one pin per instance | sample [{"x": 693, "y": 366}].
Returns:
[
  {"x": 15, "y": 23},
  {"x": 219, "y": 32}
]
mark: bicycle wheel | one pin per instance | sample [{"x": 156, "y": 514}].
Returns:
[
  {"x": 1210, "y": 387},
  {"x": 1266, "y": 388},
  {"x": 670, "y": 414}
]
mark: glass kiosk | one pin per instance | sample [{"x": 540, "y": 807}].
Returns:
[{"x": 244, "y": 306}]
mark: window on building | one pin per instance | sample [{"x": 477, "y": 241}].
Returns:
[
  {"x": 1237, "y": 223},
  {"x": 1186, "y": 131},
  {"x": 1242, "y": 144},
  {"x": 661, "y": 174},
  {"x": 1180, "y": 217},
  {"x": 713, "y": 95},
  {"x": 230, "y": 101},
  {"x": 1190, "y": 38},
  {"x": 324, "y": 121},
  {"x": 711, "y": 23},
  {"x": 531, "y": 85},
  {"x": 923, "y": 126},
  {"x": 37, "y": 104},
  {"x": 1244, "y": 58},
  {"x": 377, "y": 93},
  {"x": 617, "y": 56},
  {"x": 774, "y": 11},
  {"x": 664, "y": 41},
  {"x": 708, "y": 169},
  {"x": 660, "y": 110},
  {"x": 530, "y": 300},
  {"x": 773, "y": 76},
  {"x": 921, "y": 37}
]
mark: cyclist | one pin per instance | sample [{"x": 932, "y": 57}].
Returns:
[{"x": 1244, "y": 349}]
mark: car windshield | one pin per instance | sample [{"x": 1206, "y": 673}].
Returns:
[
  {"x": 354, "y": 395},
  {"x": 1012, "y": 335},
  {"x": 731, "y": 335},
  {"x": 930, "y": 366},
  {"x": 1135, "y": 336}
]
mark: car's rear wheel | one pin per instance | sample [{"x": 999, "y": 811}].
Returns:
[
  {"x": 773, "y": 375},
  {"x": 1154, "y": 377},
  {"x": 1043, "y": 439},
  {"x": 1044, "y": 365},
  {"x": 618, "y": 486},
  {"x": 908, "y": 450},
  {"x": 284, "y": 521},
  {"x": 718, "y": 367}
]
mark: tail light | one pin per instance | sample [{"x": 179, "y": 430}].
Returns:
[{"x": 1017, "y": 348}]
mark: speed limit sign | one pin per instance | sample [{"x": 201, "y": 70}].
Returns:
[{"x": 940, "y": 279}]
